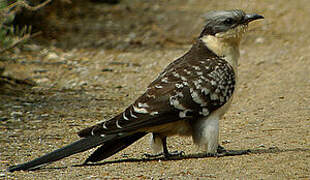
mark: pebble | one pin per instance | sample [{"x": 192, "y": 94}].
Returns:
[
  {"x": 17, "y": 107},
  {"x": 261, "y": 145},
  {"x": 3, "y": 118},
  {"x": 44, "y": 115},
  {"x": 16, "y": 114},
  {"x": 40, "y": 71},
  {"x": 83, "y": 83},
  {"x": 27, "y": 104},
  {"x": 259, "y": 40},
  {"x": 42, "y": 80},
  {"x": 16, "y": 50},
  {"x": 226, "y": 141},
  {"x": 52, "y": 55},
  {"x": 32, "y": 47}
]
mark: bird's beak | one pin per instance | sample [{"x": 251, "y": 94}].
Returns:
[{"x": 251, "y": 17}]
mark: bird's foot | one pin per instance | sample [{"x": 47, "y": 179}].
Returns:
[
  {"x": 221, "y": 151},
  {"x": 153, "y": 155},
  {"x": 166, "y": 155},
  {"x": 174, "y": 154}
]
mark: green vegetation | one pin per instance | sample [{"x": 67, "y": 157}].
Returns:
[{"x": 10, "y": 35}]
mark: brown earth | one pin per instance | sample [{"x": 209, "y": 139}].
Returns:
[{"x": 108, "y": 55}]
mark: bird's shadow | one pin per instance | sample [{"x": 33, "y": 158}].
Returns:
[{"x": 193, "y": 156}]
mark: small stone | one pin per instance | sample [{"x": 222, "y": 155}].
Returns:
[
  {"x": 32, "y": 47},
  {"x": 261, "y": 145},
  {"x": 17, "y": 107},
  {"x": 52, "y": 55},
  {"x": 16, "y": 114},
  {"x": 83, "y": 83},
  {"x": 3, "y": 118},
  {"x": 43, "y": 80},
  {"x": 40, "y": 71},
  {"x": 17, "y": 50},
  {"x": 44, "y": 115},
  {"x": 130, "y": 37},
  {"x": 107, "y": 70},
  {"x": 259, "y": 40},
  {"x": 226, "y": 141},
  {"x": 27, "y": 104}
]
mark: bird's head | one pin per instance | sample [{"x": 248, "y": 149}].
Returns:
[
  {"x": 223, "y": 32},
  {"x": 229, "y": 25}
]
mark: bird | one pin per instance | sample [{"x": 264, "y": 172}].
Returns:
[{"x": 188, "y": 98}]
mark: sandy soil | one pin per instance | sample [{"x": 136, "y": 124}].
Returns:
[{"x": 94, "y": 72}]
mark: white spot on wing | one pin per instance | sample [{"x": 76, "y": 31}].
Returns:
[
  {"x": 196, "y": 68},
  {"x": 185, "y": 83},
  {"x": 175, "y": 74},
  {"x": 165, "y": 80},
  {"x": 158, "y": 86},
  {"x": 154, "y": 113},
  {"x": 183, "y": 78},
  {"x": 199, "y": 73},
  {"x": 176, "y": 103},
  {"x": 187, "y": 72},
  {"x": 204, "y": 78},
  {"x": 124, "y": 116},
  {"x": 213, "y": 83},
  {"x": 117, "y": 125},
  {"x": 205, "y": 91},
  {"x": 139, "y": 110},
  {"x": 104, "y": 126},
  {"x": 143, "y": 105},
  {"x": 196, "y": 98},
  {"x": 132, "y": 115},
  {"x": 222, "y": 99},
  {"x": 179, "y": 94},
  {"x": 179, "y": 85},
  {"x": 197, "y": 84},
  {"x": 182, "y": 114},
  {"x": 204, "y": 112},
  {"x": 150, "y": 96},
  {"x": 214, "y": 96}
]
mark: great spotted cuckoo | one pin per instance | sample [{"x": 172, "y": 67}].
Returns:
[{"x": 188, "y": 98}]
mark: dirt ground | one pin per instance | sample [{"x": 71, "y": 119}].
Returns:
[{"x": 106, "y": 57}]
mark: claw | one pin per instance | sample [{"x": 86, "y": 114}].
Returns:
[
  {"x": 153, "y": 155},
  {"x": 166, "y": 155},
  {"x": 221, "y": 149},
  {"x": 174, "y": 154}
]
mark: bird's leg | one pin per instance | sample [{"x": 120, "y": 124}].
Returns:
[
  {"x": 165, "y": 152},
  {"x": 168, "y": 154}
]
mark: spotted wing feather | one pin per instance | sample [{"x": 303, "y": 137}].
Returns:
[{"x": 186, "y": 90}]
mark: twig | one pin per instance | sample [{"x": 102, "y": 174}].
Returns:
[
  {"x": 24, "y": 38},
  {"x": 27, "y": 6}
]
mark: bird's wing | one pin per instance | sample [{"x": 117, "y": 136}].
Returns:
[{"x": 187, "y": 90}]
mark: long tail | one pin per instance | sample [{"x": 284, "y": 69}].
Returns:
[
  {"x": 111, "y": 147},
  {"x": 76, "y": 147}
]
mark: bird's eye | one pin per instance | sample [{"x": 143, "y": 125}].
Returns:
[{"x": 229, "y": 21}]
